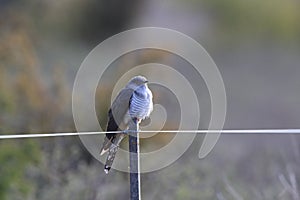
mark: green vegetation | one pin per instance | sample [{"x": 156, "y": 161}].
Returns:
[
  {"x": 26, "y": 105},
  {"x": 15, "y": 157},
  {"x": 35, "y": 97}
]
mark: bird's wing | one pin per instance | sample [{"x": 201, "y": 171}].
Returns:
[
  {"x": 119, "y": 108},
  {"x": 115, "y": 117}
]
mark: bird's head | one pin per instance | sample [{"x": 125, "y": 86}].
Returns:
[{"x": 137, "y": 81}]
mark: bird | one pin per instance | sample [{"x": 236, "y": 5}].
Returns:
[{"x": 133, "y": 102}]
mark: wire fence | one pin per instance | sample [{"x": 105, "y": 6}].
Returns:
[
  {"x": 135, "y": 180},
  {"x": 232, "y": 131}
]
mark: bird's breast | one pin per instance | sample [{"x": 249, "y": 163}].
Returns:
[{"x": 140, "y": 105}]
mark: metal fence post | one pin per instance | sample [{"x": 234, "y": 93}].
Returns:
[{"x": 134, "y": 149}]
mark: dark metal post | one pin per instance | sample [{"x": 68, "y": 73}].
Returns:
[{"x": 134, "y": 149}]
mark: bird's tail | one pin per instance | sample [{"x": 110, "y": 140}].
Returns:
[
  {"x": 112, "y": 151},
  {"x": 106, "y": 144}
]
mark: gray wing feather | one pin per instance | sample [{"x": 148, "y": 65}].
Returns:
[
  {"x": 117, "y": 112},
  {"x": 121, "y": 105}
]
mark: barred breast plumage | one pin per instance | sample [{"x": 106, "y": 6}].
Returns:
[{"x": 141, "y": 104}]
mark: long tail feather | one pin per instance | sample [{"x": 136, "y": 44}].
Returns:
[
  {"x": 112, "y": 151},
  {"x": 106, "y": 145}
]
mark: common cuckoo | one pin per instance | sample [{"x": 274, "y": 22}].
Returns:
[{"x": 132, "y": 102}]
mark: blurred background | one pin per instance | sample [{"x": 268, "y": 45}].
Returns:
[{"x": 255, "y": 44}]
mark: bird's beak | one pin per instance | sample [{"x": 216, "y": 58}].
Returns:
[{"x": 146, "y": 82}]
